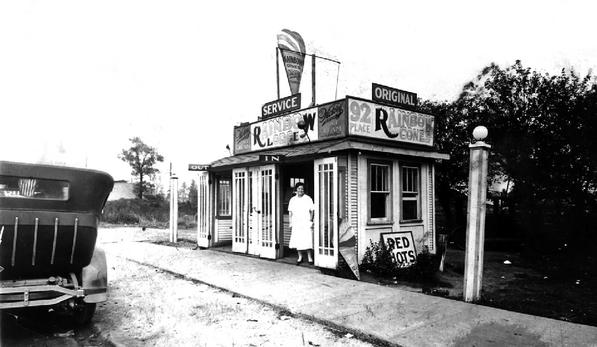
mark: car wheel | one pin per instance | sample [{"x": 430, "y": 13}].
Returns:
[{"x": 83, "y": 312}]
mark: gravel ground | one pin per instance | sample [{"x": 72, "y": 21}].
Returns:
[
  {"x": 150, "y": 307},
  {"x": 521, "y": 284}
]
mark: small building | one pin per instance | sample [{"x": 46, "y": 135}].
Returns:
[
  {"x": 122, "y": 190},
  {"x": 369, "y": 168}
]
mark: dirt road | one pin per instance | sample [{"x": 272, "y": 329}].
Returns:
[{"x": 151, "y": 307}]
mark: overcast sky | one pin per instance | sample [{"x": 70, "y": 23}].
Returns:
[{"x": 79, "y": 78}]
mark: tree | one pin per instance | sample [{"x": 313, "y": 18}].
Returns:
[
  {"x": 142, "y": 159},
  {"x": 542, "y": 130},
  {"x": 193, "y": 195},
  {"x": 451, "y": 175},
  {"x": 183, "y": 195}
]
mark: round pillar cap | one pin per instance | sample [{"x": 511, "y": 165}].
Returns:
[{"x": 480, "y": 133}]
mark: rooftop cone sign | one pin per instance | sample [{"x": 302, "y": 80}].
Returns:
[{"x": 292, "y": 48}]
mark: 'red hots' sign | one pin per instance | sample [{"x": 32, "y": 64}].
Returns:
[{"x": 402, "y": 247}]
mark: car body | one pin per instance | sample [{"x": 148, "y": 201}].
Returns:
[{"x": 49, "y": 217}]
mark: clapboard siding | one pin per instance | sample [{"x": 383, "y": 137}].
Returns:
[
  {"x": 224, "y": 228},
  {"x": 286, "y": 229}
]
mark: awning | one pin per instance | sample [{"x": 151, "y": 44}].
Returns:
[{"x": 295, "y": 153}]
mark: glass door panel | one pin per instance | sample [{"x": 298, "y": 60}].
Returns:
[
  {"x": 203, "y": 210},
  {"x": 239, "y": 211},
  {"x": 326, "y": 216}
]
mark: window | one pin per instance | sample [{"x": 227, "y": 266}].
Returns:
[
  {"x": 379, "y": 193},
  {"x": 224, "y": 197},
  {"x": 33, "y": 188},
  {"x": 410, "y": 193},
  {"x": 294, "y": 181}
]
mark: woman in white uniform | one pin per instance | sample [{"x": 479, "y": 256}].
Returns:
[{"x": 301, "y": 211}]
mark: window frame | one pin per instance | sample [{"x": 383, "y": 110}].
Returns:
[
  {"x": 228, "y": 213},
  {"x": 388, "y": 219},
  {"x": 402, "y": 191}
]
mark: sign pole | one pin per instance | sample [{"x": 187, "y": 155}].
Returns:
[
  {"x": 278, "y": 72},
  {"x": 313, "y": 78},
  {"x": 173, "y": 209},
  {"x": 475, "y": 226}
]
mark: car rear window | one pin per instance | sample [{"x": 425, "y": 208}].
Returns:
[{"x": 33, "y": 188}]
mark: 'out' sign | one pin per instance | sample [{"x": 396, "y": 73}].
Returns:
[{"x": 402, "y": 247}]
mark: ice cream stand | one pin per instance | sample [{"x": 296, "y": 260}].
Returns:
[{"x": 367, "y": 164}]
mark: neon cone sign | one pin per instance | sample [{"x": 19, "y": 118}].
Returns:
[{"x": 292, "y": 48}]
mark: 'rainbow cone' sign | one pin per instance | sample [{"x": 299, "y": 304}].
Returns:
[{"x": 292, "y": 47}]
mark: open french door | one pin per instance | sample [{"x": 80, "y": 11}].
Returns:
[
  {"x": 254, "y": 220},
  {"x": 265, "y": 199},
  {"x": 203, "y": 210},
  {"x": 326, "y": 212},
  {"x": 240, "y": 210}
]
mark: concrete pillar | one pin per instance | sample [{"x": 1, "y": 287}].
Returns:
[
  {"x": 173, "y": 209},
  {"x": 475, "y": 226}
]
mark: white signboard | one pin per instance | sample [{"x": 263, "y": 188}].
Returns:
[
  {"x": 284, "y": 130},
  {"x": 402, "y": 247},
  {"x": 366, "y": 118}
]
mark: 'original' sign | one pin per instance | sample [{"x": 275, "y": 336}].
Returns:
[
  {"x": 281, "y": 106},
  {"x": 402, "y": 247},
  {"x": 393, "y": 96}
]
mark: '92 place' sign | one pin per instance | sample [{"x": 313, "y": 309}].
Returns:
[{"x": 366, "y": 118}]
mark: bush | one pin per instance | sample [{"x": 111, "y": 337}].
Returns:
[
  {"x": 120, "y": 212},
  {"x": 151, "y": 212},
  {"x": 378, "y": 260}
]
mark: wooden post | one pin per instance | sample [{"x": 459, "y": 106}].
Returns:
[
  {"x": 173, "y": 209},
  {"x": 278, "y": 72},
  {"x": 313, "y": 102},
  {"x": 475, "y": 227}
]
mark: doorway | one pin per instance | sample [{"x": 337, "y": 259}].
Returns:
[
  {"x": 320, "y": 177},
  {"x": 291, "y": 174}
]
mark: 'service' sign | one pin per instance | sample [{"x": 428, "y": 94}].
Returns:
[
  {"x": 281, "y": 106},
  {"x": 402, "y": 247}
]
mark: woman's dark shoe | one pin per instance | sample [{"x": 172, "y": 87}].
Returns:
[{"x": 298, "y": 262}]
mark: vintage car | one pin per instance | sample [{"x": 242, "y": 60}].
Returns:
[{"x": 48, "y": 227}]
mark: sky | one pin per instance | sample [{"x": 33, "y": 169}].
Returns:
[{"x": 79, "y": 78}]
